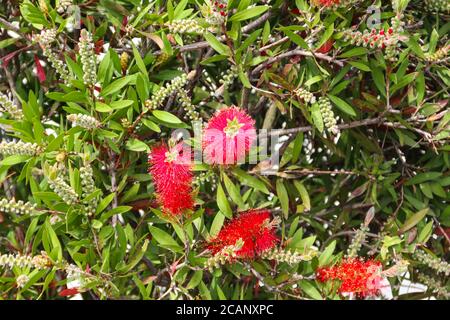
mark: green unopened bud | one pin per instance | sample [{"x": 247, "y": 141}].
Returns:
[
  {"x": 16, "y": 207},
  {"x": 63, "y": 190},
  {"x": 84, "y": 121},
  {"x": 88, "y": 58},
  {"x": 6, "y": 105},
  {"x": 328, "y": 116},
  {"x": 8, "y": 148}
]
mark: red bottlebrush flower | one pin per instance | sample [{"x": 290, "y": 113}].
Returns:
[
  {"x": 356, "y": 276},
  {"x": 326, "y": 46},
  {"x": 255, "y": 230},
  {"x": 171, "y": 171},
  {"x": 228, "y": 136}
]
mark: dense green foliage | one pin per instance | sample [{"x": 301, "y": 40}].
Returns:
[{"x": 365, "y": 159}]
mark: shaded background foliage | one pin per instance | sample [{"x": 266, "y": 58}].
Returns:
[{"x": 390, "y": 159}]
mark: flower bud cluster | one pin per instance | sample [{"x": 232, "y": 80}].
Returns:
[
  {"x": 215, "y": 12},
  {"x": 226, "y": 255},
  {"x": 88, "y": 58},
  {"x": 46, "y": 37},
  {"x": 389, "y": 39},
  {"x": 438, "y": 55},
  {"x": 287, "y": 256},
  {"x": 124, "y": 61},
  {"x": 22, "y": 280},
  {"x": 172, "y": 87},
  {"x": 437, "y": 5},
  {"x": 229, "y": 76},
  {"x": 9, "y": 148},
  {"x": 10, "y": 261},
  {"x": 305, "y": 95},
  {"x": 328, "y": 115},
  {"x": 434, "y": 263},
  {"x": 399, "y": 268},
  {"x": 84, "y": 121},
  {"x": 88, "y": 184},
  {"x": 63, "y": 190},
  {"x": 187, "y": 105},
  {"x": 205, "y": 177},
  {"x": 433, "y": 285},
  {"x": 357, "y": 241},
  {"x": 63, "y": 6},
  {"x": 6, "y": 105},
  {"x": 185, "y": 26},
  {"x": 16, "y": 207},
  {"x": 57, "y": 64}
]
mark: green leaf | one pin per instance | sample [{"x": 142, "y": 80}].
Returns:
[
  {"x": 296, "y": 39},
  {"x": 195, "y": 280},
  {"x": 166, "y": 116},
  {"x": 422, "y": 177},
  {"x": 233, "y": 191},
  {"x": 164, "y": 239},
  {"x": 404, "y": 81},
  {"x": 317, "y": 117},
  {"x": 310, "y": 290},
  {"x": 283, "y": 197},
  {"x": 216, "y": 224},
  {"x": 354, "y": 52},
  {"x": 222, "y": 202},
  {"x": 249, "y": 13},
  {"x": 14, "y": 159},
  {"x": 327, "y": 254},
  {"x": 326, "y": 35},
  {"x": 360, "y": 65},
  {"x": 139, "y": 62},
  {"x": 116, "y": 86},
  {"x": 136, "y": 258},
  {"x": 216, "y": 44},
  {"x": 303, "y": 194},
  {"x": 137, "y": 145},
  {"x": 151, "y": 125},
  {"x": 249, "y": 180},
  {"x": 105, "y": 202},
  {"x": 413, "y": 220},
  {"x": 342, "y": 105}
]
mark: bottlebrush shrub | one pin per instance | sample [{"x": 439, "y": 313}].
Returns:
[{"x": 224, "y": 149}]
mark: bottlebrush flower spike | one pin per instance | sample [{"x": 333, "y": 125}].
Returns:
[
  {"x": 228, "y": 136},
  {"x": 171, "y": 171},
  {"x": 253, "y": 228},
  {"x": 356, "y": 276}
]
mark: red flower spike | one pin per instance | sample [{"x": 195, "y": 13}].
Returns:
[
  {"x": 228, "y": 136},
  {"x": 356, "y": 276},
  {"x": 171, "y": 171},
  {"x": 255, "y": 230}
]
